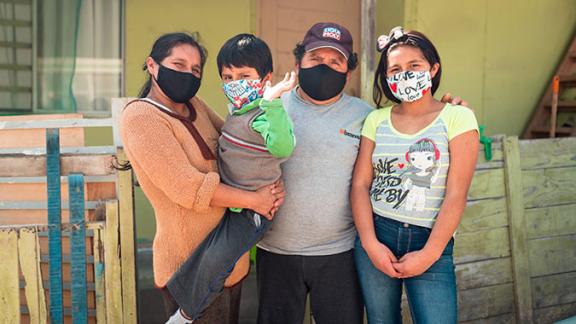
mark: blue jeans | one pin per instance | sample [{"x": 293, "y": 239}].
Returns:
[
  {"x": 200, "y": 279},
  {"x": 431, "y": 295}
]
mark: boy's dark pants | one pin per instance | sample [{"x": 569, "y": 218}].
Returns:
[{"x": 201, "y": 277}]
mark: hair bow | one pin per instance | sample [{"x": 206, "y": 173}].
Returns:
[{"x": 395, "y": 34}]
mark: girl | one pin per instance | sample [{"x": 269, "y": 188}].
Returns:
[{"x": 409, "y": 187}]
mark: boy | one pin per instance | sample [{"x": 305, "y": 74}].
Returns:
[{"x": 257, "y": 137}]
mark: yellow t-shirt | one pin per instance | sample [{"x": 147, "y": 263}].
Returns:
[{"x": 410, "y": 171}]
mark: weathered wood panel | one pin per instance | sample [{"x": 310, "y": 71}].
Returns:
[
  {"x": 23, "y": 138},
  {"x": 481, "y": 245},
  {"x": 487, "y": 184},
  {"x": 9, "y": 285},
  {"x": 548, "y": 153},
  {"x": 484, "y": 273},
  {"x": 551, "y": 221},
  {"x": 485, "y": 302},
  {"x": 554, "y": 290},
  {"x": 112, "y": 270},
  {"x": 554, "y": 313},
  {"x": 35, "y": 166},
  {"x": 484, "y": 214},
  {"x": 498, "y": 319},
  {"x": 552, "y": 255},
  {"x": 29, "y": 256},
  {"x": 549, "y": 187}
]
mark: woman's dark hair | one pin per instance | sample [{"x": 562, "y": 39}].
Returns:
[
  {"x": 162, "y": 48},
  {"x": 299, "y": 52},
  {"x": 410, "y": 38},
  {"x": 245, "y": 50}
]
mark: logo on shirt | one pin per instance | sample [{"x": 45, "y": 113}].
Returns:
[
  {"x": 331, "y": 32},
  {"x": 347, "y": 133}
]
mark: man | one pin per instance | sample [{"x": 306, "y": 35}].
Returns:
[{"x": 308, "y": 249}]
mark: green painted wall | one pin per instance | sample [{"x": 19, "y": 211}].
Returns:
[{"x": 498, "y": 55}]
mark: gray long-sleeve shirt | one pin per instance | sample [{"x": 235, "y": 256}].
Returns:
[{"x": 316, "y": 218}]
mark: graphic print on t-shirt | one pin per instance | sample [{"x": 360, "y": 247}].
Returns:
[{"x": 405, "y": 183}]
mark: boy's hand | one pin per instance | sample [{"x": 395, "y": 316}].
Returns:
[{"x": 273, "y": 92}]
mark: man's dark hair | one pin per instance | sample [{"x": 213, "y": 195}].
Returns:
[
  {"x": 245, "y": 50},
  {"x": 299, "y": 52}
]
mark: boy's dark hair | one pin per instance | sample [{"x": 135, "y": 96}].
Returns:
[
  {"x": 162, "y": 48},
  {"x": 410, "y": 38},
  {"x": 245, "y": 50},
  {"x": 299, "y": 52}
]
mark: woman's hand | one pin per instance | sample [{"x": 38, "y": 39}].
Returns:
[
  {"x": 414, "y": 263},
  {"x": 268, "y": 199},
  {"x": 382, "y": 258}
]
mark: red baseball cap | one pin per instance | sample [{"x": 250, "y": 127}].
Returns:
[{"x": 330, "y": 35}]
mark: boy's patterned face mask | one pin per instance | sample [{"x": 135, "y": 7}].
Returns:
[
  {"x": 410, "y": 86},
  {"x": 243, "y": 92}
]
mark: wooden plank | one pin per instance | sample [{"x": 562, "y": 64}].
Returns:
[
  {"x": 498, "y": 319},
  {"x": 487, "y": 184},
  {"x": 99, "y": 281},
  {"x": 554, "y": 313},
  {"x": 548, "y": 153},
  {"x": 485, "y": 302},
  {"x": 56, "y": 123},
  {"x": 79, "y": 150},
  {"x": 368, "y": 44},
  {"x": 551, "y": 221},
  {"x": 484, "y": 273},
  {"x": 484, "y": 214},
  {"x": 495, "y": 244},
  {"x": 89, "y": 205},
  {"x": 37, "y": 191},
  {"x": 29, "y": 256},
  {"x": 552, "y": 255},
  {"x": 118, "y": 105},
  {"x": 19, "y": 138},
  {"x": 554, "y": 290},
  {"x": 63, "y": 179},
  {"x": 78, "y": 248},
  {"x": 127, "y": 242},
  {"x": 9, "y": 291},
  {"x": 54, "y": 221},
  {"x": 549, "y": 187},
  {"x": 35, "y": 166},
  {"x": 112, "y": 270},
  {"x": 516, "y": 225}
]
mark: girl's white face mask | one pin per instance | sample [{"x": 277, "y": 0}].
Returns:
[{"x": 410, "y": 86}]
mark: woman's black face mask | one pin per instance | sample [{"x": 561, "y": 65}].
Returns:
[
  {"x": 179, "y": 86},
  {"x": 321, "y": 82}
]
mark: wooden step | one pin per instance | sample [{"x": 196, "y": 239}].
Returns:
[
  {"x": 559, "y": 131},
  {"x": 567, "y": 78},
  {"x": 564, "y": 106}
]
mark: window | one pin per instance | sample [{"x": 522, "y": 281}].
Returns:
[{"x": 60, "y": 56}]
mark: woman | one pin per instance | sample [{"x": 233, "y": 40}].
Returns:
[{"x": 170, "y": 137}]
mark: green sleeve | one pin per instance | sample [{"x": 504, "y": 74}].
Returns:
[
  {"x": 461, "y": 120},
  {"x": 276, "y": 128},
  {"x": 371, "y": 124}
]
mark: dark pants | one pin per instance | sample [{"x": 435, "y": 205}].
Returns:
[
  {"x": 284, "y": 281},
  {"x": 201, "y": 278},
  {"x": 225, "y": 309}
]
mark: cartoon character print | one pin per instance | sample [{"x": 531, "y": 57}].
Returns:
[
  {"x": 423, "y": 159},
  {"x": 242, "y": 92}
]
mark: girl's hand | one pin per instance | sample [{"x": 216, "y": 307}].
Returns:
[
  {"x": 414, "y": 263},
  {"x": 382, "y": 258},
  {"x": 273, "y": 92}
]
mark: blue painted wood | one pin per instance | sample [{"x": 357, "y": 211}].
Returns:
[
  {"x": 54, "y": 221},
  {"x": 78, "y": 248}
]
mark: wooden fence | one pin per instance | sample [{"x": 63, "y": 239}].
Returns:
[
  {"x": 66, "y": 224},
  {"x": 515, "y": 250}
]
